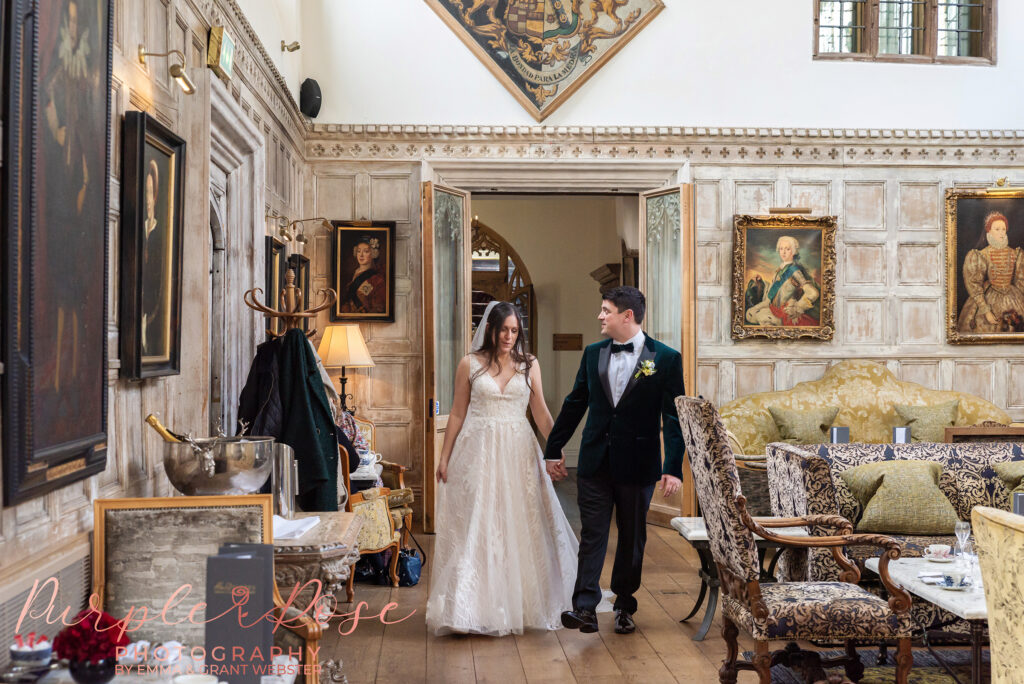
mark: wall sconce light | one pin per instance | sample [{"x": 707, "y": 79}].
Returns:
[
  {"x": 1003, "y": 187},
  {"x": 290, "y": 47},
  {"x": 177, "y": 71},
  {"x": 323, "y": 222},
  {"x": 301, "y": 238}
]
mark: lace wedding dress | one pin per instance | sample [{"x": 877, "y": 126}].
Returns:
[{"x": 504, "y": 554}]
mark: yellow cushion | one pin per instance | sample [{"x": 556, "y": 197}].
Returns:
[
  {"x": 808, "y": 426},
  {"x": 866, "y": 393},
  {"x": 377, "y": 530},
  {"x": 1012, "y": 475},
  {"x": 901, "y": 497},
  {"x": 929, "y": 423}
]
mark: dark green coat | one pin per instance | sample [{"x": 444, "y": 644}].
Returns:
[{"x": 626, "y": 434}]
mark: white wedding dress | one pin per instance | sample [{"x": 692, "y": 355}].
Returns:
[{"x": 504, "y": 554}]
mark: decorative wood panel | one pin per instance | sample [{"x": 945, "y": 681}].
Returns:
[
  {"x": 919, "y": 205},
  {"x": 815, "y": 196},
  {"x": 1015, "y": 386},
  {"x": 753, "y": 377},
  {"x": 754, "y": 197},
  {"x": 919, "y": 264},
  {"x": 802, "y": 371},
  {"x": 865, "y": 264},
  {"x": 925, "y": 373},
  {"x": 335, "y": 197},
  {"x": 389, "y": 197},
  {"x": 864, "y": 321},
  {"x": 707, "y": 381},
  {"x": 976, "y": 377},
  {"x": 708, "y": 263},
  {"x": 708, "y": 205},
  {"x": 865, "y": 205},
  {"x": 919, "y": 321}
]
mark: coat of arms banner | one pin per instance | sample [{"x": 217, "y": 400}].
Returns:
[{"x": 543, "y": 50}]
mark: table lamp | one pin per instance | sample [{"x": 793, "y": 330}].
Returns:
[{"x": 342, "y": 346}]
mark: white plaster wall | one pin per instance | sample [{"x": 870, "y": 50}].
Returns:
[
  {"x": 561, "y": 239},
  {"x": 742, "y": 63},
  {"x": 274, "y": 21}
]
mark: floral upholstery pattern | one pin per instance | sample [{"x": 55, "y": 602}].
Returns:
[
  {"x": 717, "y": 483},
  {"x": 1000, "y": 537},
  {"x": 795, "y": 610},
  {"x": 866, "y": 393},
  {"x": 378, "y": 529},
  {"x": 819, "y": 610}
]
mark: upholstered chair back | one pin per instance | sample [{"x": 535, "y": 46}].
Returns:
[
  {"x": 718, "y": 483},
  {"x": 1000, "y": 540}
]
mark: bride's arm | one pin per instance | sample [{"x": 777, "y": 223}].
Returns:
[
  {"x": 538, "y": 406},
  {"x": 460, "y": 405}
]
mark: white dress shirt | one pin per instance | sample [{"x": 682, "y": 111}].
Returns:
[{"x": 621, "y": 365}]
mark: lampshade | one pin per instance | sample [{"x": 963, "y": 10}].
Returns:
[{"x": 342, "y": 346}]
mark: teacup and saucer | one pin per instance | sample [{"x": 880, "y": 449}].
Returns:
[{"x": 939, "y": 553}]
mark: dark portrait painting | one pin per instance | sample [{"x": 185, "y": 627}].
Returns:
[
  {"x": 277, "y": 268},
  {"x": 363, "y": 257},
  {"x": 783, "y": 277},
  {"x": 56, "y": 139},
  {"x": 985, "y": 266},
  {"x": 153, "y": 162}
]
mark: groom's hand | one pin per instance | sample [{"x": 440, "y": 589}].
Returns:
[
  {"x": 556, "y": 469},
  {"x": 669, "y": 485}
]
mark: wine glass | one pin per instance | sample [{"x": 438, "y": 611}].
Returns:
[{"x": 963, "y": 531}]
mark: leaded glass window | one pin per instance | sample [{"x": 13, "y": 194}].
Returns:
[
  {"x": 841, "y": 25},
  {"x": 961, "y": 28},
  {"x": 901, "y": 27}
]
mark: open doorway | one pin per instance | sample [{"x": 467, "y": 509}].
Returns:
[{"x": 571, "y": 248}]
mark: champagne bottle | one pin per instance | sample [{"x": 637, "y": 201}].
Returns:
[{"x": 163, "y": 431}]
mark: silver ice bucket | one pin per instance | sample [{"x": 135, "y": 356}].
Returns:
[{"x": 221, "y": 465}]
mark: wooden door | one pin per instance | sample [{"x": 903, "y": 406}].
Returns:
[
  {"x": 446, "y": 301},
  {"x": 667, "y": 246}
]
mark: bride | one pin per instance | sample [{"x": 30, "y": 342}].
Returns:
[{"x": 504, "y": 556}]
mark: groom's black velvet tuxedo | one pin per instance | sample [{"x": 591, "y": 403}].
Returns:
[{"x": 619, "y": 461}]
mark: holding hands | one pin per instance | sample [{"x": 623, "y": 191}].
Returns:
[{"x": 556, "y": 469}]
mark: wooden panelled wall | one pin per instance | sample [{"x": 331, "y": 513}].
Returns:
[
  {"x": 886, "y": 187},
  {"x": 53, "y": 523},
  {"x": 890, "y": 281}
]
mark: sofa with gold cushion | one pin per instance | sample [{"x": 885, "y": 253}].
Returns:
[
  {"x": 805, "y": 480},
  {"x": 865, "y": 392}
]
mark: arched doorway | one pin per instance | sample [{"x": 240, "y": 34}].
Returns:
[{"x": 500, "y": 274}]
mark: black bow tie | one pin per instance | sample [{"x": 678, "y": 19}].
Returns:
[{"x": 616, "y": 348}]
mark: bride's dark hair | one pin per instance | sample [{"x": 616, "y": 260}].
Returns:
[{"x": 489, "y": 349}]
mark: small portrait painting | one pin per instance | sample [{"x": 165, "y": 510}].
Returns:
[
  {"x": 783, "y": 277},
  {"x": 363, "y": 268},
  {"x": 985, "y": 265},
  {"x": 154, "y": 160}
]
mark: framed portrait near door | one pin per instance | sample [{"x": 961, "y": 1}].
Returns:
[
  {"x": 55, "y": 201},
  {"x": 152, "y": 191},
  {"x": 277, "y": 268},
  {"x": 783, "y": 277},
  {"x": 299, "y": 265},
  {"x": 985, "y": 265},
  {"x": 363, "y": 271}
]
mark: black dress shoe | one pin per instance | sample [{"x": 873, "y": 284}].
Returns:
[
  {"x": 582, "y": 619},
  {"x": 624, "y": 622}
]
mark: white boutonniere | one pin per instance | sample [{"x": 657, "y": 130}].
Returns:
[{"x": 647, "y": 369}]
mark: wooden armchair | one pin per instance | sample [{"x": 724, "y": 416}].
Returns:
[
  {"x": 789, "y": 611},
  {"x": 393, "y": 477},
  {"x": 377, "y": 532}
]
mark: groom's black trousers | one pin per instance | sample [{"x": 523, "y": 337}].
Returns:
[{"x": 596, "y": 495}]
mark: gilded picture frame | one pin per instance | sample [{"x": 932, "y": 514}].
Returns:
[
  {"x": 783, "y": 277},
  {"x": 276, "y": 270},
  {"x": 984, "y": 266},
  {"x": 152, "y": 224},
  {"x": 131, "y": 536},
  {"x": 363, "y": 271}
]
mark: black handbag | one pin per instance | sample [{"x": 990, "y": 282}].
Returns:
[{"x": 410, "y": 565}]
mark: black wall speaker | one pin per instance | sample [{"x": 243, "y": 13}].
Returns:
[{"x": 309, "y": 98}]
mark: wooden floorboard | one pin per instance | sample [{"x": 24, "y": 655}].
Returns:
[{"x": 661, "y": 650}]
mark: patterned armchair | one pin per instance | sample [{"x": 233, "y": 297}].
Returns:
[
  {"x": 790, "y": 611},
  {"x": 1000, "y": 539},
  {"x": 377, "y": 532},
  {"x": 393, "y": 477}
]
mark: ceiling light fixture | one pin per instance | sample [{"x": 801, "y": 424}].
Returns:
[{"x": 177, "y": 71}]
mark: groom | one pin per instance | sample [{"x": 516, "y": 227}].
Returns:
[{"x": 629, "y": 384}]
